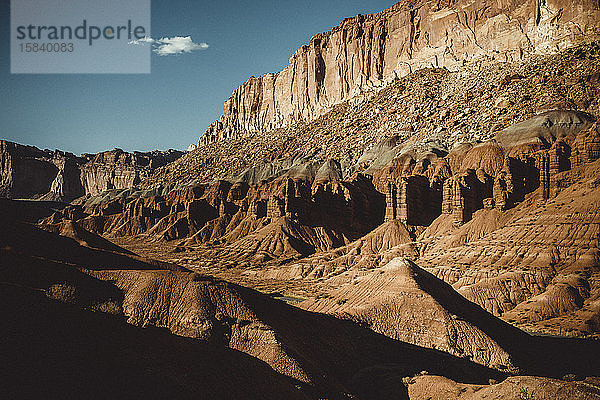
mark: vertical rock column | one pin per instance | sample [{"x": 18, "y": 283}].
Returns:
[
  {"x": 391, "y": 202},
  {"x": 275, "y": 207},
  {"x": 458, "y": 199},
  {"x": 500, "y": 193},
  {"x": 543, "y": 164},
  {"x": 290, "y": 194},
  {"x": 409, "y": 200},
  {"x": 397, "y": 201},
  {"x": 402, "y": 202},
  {"x": 586, "y": 148}
]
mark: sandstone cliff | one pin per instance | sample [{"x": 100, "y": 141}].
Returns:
[
  {"x": 369, "y": 51},
  {"x": 437, "y": 107},
  {"x": 117, "y": 169},
  {"x": 28, "y": 172}
]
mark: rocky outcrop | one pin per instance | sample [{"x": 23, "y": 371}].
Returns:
[
  {"x": 28, "y": 172},
  {"x": 564, "y": 154},
  {"x": 495, "y": 174},
  {"x": 117, "y": 169},
  {"x": 586, "y": 147},
  {"x": 293, "y": 210},
  {"x": 436, "y": 106},
  {"x": 460, "y": 196},
  {"x": 412, "y": 201},
  {"x": 369, "y": 51},
  {"x": 389, "y": 299},
  {"x": 535, "y": 264},
  {"x": 478, "y": 205},
  {"x": 306, "y": 209}
]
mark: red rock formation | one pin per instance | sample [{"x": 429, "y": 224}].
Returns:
[
  {"x": 586, "y": 147},
  {"x": 462, "y": 196},
  {"x": 412, "y": 201},
  {"x": 549, "y": 163},
  {"x": 543, "y": 164},
  {"x": 500, "y": 192},
  {"x": 513, "y": 388},
  {"x": 117, "y": 169},
  {"x": 25, "y": 170},
  {"x": 309, "y": 214}
]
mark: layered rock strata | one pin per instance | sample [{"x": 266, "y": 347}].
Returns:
[
  {"x": 28, "y": 172},
  {"x": 369, "y": 51},
  {"x": 309, "y": 207},
  {"x": 296, "y": 214}
]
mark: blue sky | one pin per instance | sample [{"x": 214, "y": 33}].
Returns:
[{"x": 172, "y": 106}]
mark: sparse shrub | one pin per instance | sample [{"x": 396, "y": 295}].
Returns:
[
  {"x": 407, "y": 380},
  {"x": 569, "y": 378},
  {"x": 64, "y": 292},
  {"x": 110, "y": 307}
]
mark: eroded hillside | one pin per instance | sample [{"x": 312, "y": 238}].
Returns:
[{"x": 421, "y": 222}]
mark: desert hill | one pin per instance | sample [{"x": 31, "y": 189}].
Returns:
[
  {"x": 410, "y": 209},
  {"x": 320, "y": 354},
  {"x": 98, "y": 290},
  {"x": 76, "y": 353}
]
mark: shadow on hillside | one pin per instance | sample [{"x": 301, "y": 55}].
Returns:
[
  {"x": 57, "y": 351},
  {"x": 367, "y": 363},
  {"x": 23, "y": 238},
  {"x": 535, "y": 355}
]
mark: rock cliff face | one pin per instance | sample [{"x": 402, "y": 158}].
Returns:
[
  {"x": 117, "y": 169},
  {"x": 25, "y": 170},
  {"x": 309, "y": 208},
  {"x": 28, "y": 172},
  {"x": 423, "y": 220},
  {"x": 369, "y": 51}
]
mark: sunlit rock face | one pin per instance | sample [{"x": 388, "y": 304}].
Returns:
[
  {"x": 368, "y": 51},
  {"x": 28, "y": 172}
]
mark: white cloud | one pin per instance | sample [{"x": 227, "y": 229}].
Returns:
[
  {"x": 174, "y": 45},
  {"x": 178, "y": 45},
  {"x": 143, "y": 40}
]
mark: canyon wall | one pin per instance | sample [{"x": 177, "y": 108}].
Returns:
[
  {"x": 368, "y": 51},
  {"x": 310, "y": 208},
  {"x": 28, "y": 172}
]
